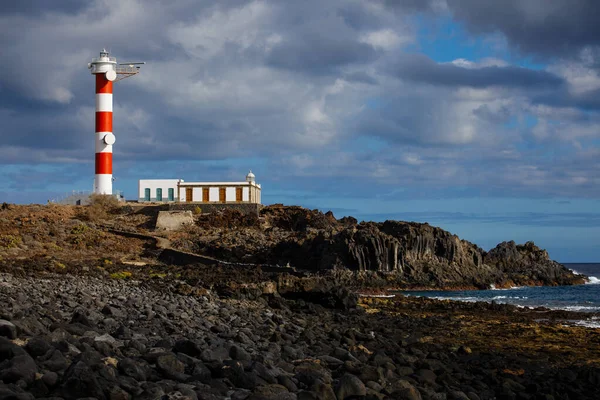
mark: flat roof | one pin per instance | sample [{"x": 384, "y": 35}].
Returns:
[{"x": 217, "y": 183}]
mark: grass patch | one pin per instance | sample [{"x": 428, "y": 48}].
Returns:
[
  {"x": 121, "y": 275},
  {"x": 10, "y": 241}
]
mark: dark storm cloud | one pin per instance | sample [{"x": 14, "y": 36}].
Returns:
[
  {"x": 360, "y": 77},
  {"x": 589, "y": 100},
  {"x": 37, "y": 7},
  {"x": 42, "y": 126},
  {"x": 420, "y": 68},
  {"x": 543, "y": 27},
  {"x": 318, "y": 55},
  {"x": 412, "y": 5}
]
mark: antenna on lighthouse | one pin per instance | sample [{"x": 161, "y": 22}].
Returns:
[
  {"x": 107, "y": 71},
  {"x": 126, "y": 70}
]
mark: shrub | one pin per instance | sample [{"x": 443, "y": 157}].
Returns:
[
  {"x": 101, "y": 207},
  {"x": 79, "y": 229},
  {"x": 9, "y": 241},
  {"x": 197, "y": 210}
]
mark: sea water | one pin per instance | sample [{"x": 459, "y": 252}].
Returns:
[{"x": 583, "y": 298}]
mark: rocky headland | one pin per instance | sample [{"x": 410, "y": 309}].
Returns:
[
  {"x": 94, "y": 303},
  {"x": 391, "y": 253}
]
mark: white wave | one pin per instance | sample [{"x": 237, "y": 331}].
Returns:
[
  {"x": 575, "y": 308},
  {"x": 467, "y": 299},
  {"x": 509, "y": 297},
  {"x": 592, "y": 280},
  {"x": 588, "y": 323},
  {"x": 493, "y": 287},
  {"x": 386, "y": 296}
]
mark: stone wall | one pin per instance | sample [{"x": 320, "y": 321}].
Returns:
[{"x": 245, "y": 208}]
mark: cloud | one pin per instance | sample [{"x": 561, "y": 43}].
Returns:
[
  {"x": 38, "y": 7},
  {"x": 325, "y": 97},
  {"x": 463, "y": 73},
  {"x": 320, "y": 55},
  {"x": 547, "y": 28}
]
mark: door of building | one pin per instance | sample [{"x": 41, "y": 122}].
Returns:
[
  {"x": 238, "y": 194},
  {"x": 222, "y": 195},
  {"x": 205, "y": 195},
  {"x": 171, "y": 194},
  {"x": 188, "y": 195},
  {"x": 147, "y": 194},
  {"x": 159, "y": 194}
]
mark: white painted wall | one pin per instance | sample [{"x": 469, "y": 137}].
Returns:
[
  {"x": 153, "y": 184},
  {"x": 230, "y": 194},
  {"x": 196, "y": 194},
  {"x": 213, "y": 194},
  {"x": 246, "y": 194}
]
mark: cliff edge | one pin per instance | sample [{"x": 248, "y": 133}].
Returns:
[
  {"x": 407, "y": 254},
  {"x": 366, "y": 254}
]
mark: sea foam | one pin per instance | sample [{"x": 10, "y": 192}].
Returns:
[{"x": 592, "y": 280}]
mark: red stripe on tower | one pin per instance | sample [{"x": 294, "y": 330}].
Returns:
[
  {"x": 103, "y": 85},
  {"x": 104, "y": 121},
  {"x": 103, "y": 163}
]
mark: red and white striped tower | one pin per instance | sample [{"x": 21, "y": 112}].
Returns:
[{"x": 105, "y": 70}]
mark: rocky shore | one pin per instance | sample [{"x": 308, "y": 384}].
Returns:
[
  {"x": 89, "y": 310},
  {"x": 70, "y": 337}
]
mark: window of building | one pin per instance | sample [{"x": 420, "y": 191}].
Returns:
[
  {"x": 159, "y": 194},
  {"x": 171, "y": 194},
  {"x": 147, "y": 194}
]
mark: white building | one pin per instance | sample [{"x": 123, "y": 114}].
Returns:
[
  {"x": 177, "y": 190},
  {"x": 158, "y": 190}
]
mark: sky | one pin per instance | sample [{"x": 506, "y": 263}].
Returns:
[{"x": 479, "y": 116}]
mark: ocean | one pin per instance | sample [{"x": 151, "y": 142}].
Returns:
[{"x": 582, "y": 298}]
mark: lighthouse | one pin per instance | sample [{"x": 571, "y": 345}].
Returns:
[{"x": 106, "y": 72}]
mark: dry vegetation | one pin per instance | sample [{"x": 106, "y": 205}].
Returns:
[
  {"x": 101, "y": 207},
  {"x": 57, "y": 236}
]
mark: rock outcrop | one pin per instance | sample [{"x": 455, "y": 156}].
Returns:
[{"x": 407, "y": 253}]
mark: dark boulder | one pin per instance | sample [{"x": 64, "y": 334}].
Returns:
[
  {"x": 37, "y": 347},
  {"x": 21, "y": 367},
  {"x": 8, "y": 329},
  {"x": 132, "y": 368},
  {"x": 349, "y": 386},
  {"x": 188, "y": 347},
  {"x": 80, "y": 381}
]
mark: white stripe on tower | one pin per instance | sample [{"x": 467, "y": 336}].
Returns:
[
  {"x": 104, "y": 102},
  {"x": 104, "y": 108}
]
